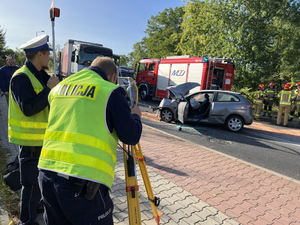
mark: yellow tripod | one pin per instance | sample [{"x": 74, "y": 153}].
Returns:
[{"x": 132, "y": 155}]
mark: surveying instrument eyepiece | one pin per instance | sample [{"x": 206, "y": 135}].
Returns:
[{"x": 132, "y": 156}]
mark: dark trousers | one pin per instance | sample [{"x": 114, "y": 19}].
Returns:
[
  {"x": 30, "y": 192},
  {"x": 268, "y": 106},
  {"x": 63, "y": 206}
]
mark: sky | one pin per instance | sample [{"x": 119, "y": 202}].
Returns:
[{"x": 117, "y": 24}]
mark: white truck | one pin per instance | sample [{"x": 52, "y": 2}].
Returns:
[{"x": 77, "y": 55}]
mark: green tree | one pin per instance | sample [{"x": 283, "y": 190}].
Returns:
[
  {"x": 261, "y": 37},
  {"x": 124, "y": 60},
  {"x": 139, "y": 52},
  {"x": 163, "y": 33},
  {"x": 264, "y": 37},
  {"x": 2, "y": 47}
]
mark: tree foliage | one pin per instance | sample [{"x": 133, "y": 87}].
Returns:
[
  {"x": 124, "y": 60},
  {"x": 139, "y": 52},
  {"x": 163, "y": 34},
  {"x": 2, "y": 47},
  {"x": 261, "y": 36}
]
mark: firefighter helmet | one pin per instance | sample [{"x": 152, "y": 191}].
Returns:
[
  {"x": 261, "y": 86},
  {"x": 271, "y": 84},
  {"x": 298, "y": 84},
  {"x": 287, "y": 86}
]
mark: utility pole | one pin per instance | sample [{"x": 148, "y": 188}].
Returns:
[{"x": 54, "y": 12}]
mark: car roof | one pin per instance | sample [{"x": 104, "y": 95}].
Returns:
[
  {"x": 217, "y": 91},
  {"x": 127, "y": 68}
]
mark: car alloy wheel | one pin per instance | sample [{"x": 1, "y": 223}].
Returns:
[
  {"x": 166, "y": 115},
  {"x": 235, "y": 123}
]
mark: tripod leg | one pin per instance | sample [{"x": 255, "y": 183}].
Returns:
[
  {"x": 154, "y": 201},
  {"x": 132, "y": 188}
]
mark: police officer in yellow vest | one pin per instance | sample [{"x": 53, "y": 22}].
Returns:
[
  {"x": 285, "y": 99},
  {"x": 88, "y": 114},
  {"x": 295, "y": 104},
  {"x": 27, "y": 119},
  {"x": 269, "y": 100},
  {"x": 258, "y": 102}
]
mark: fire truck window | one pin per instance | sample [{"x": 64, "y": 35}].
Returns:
[
  {"x": 218, "y": 78},
  {"x": 151, "y": 66},
  {"x": 142, "y": 67}
]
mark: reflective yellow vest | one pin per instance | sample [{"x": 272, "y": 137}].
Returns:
[
  {"x": 285, "y": 97},
  {"x": 23, "y": 130},
  {"x": 77, "y": 140},
  {"x": 258, "y": 96},
  {"x": 297, "y": 98},
  {"x": 270, "y": 93}
]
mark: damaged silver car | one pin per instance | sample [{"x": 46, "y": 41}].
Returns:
[{"x": 205, "y": 107}]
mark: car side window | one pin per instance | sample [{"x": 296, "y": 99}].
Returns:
[
  {"x": 226, "y": 97},
  {"x": 201, "y": 97}
]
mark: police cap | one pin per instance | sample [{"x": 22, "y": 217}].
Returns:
[{"x": 36, "y": 44}]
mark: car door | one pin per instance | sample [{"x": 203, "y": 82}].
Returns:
[
  {"x": 222, "y": 106},
  {"x": 200, "y": 99},
  {"x": 183, "y": 108}
]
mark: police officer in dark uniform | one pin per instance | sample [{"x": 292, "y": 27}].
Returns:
[
  {"x": 27, "y": 119},
  {"x": 6, "y": 73},
  {"x": 77, "y": 170}
]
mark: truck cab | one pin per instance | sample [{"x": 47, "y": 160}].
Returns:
[
  {"x": 77, "y": 55},
  {"x": 147, "y": 77}
]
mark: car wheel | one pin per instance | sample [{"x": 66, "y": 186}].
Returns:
[
  {"x": 143, "y": 93},
  {"x": 234, "y": 123},
  {"x": 166, "y": 115}
]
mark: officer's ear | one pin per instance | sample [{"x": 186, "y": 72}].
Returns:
[{"x": 113, "y": 78}]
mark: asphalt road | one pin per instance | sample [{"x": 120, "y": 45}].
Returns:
[{"x": 256, "y": 144}]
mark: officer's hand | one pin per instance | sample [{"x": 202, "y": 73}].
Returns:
[
  {"x": 52, "y": 82},
  {"x": 5, "y": 93},
  {"x": 136, "y": 110}
]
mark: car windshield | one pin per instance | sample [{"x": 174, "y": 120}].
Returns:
[{"x": 88, "y": 54}]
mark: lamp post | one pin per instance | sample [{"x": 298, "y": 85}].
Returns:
[{"x": 38, "y": 32}]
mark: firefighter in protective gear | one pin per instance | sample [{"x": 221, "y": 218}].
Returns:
[
  {"x": 295, "y": 104},
  {"x": 269, "y": 100},
  {"x": 285, "y": 100},
  {"x": 258, "y": 102}
]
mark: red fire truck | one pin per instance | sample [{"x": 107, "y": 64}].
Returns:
[{"x": 155, "y": 75}]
